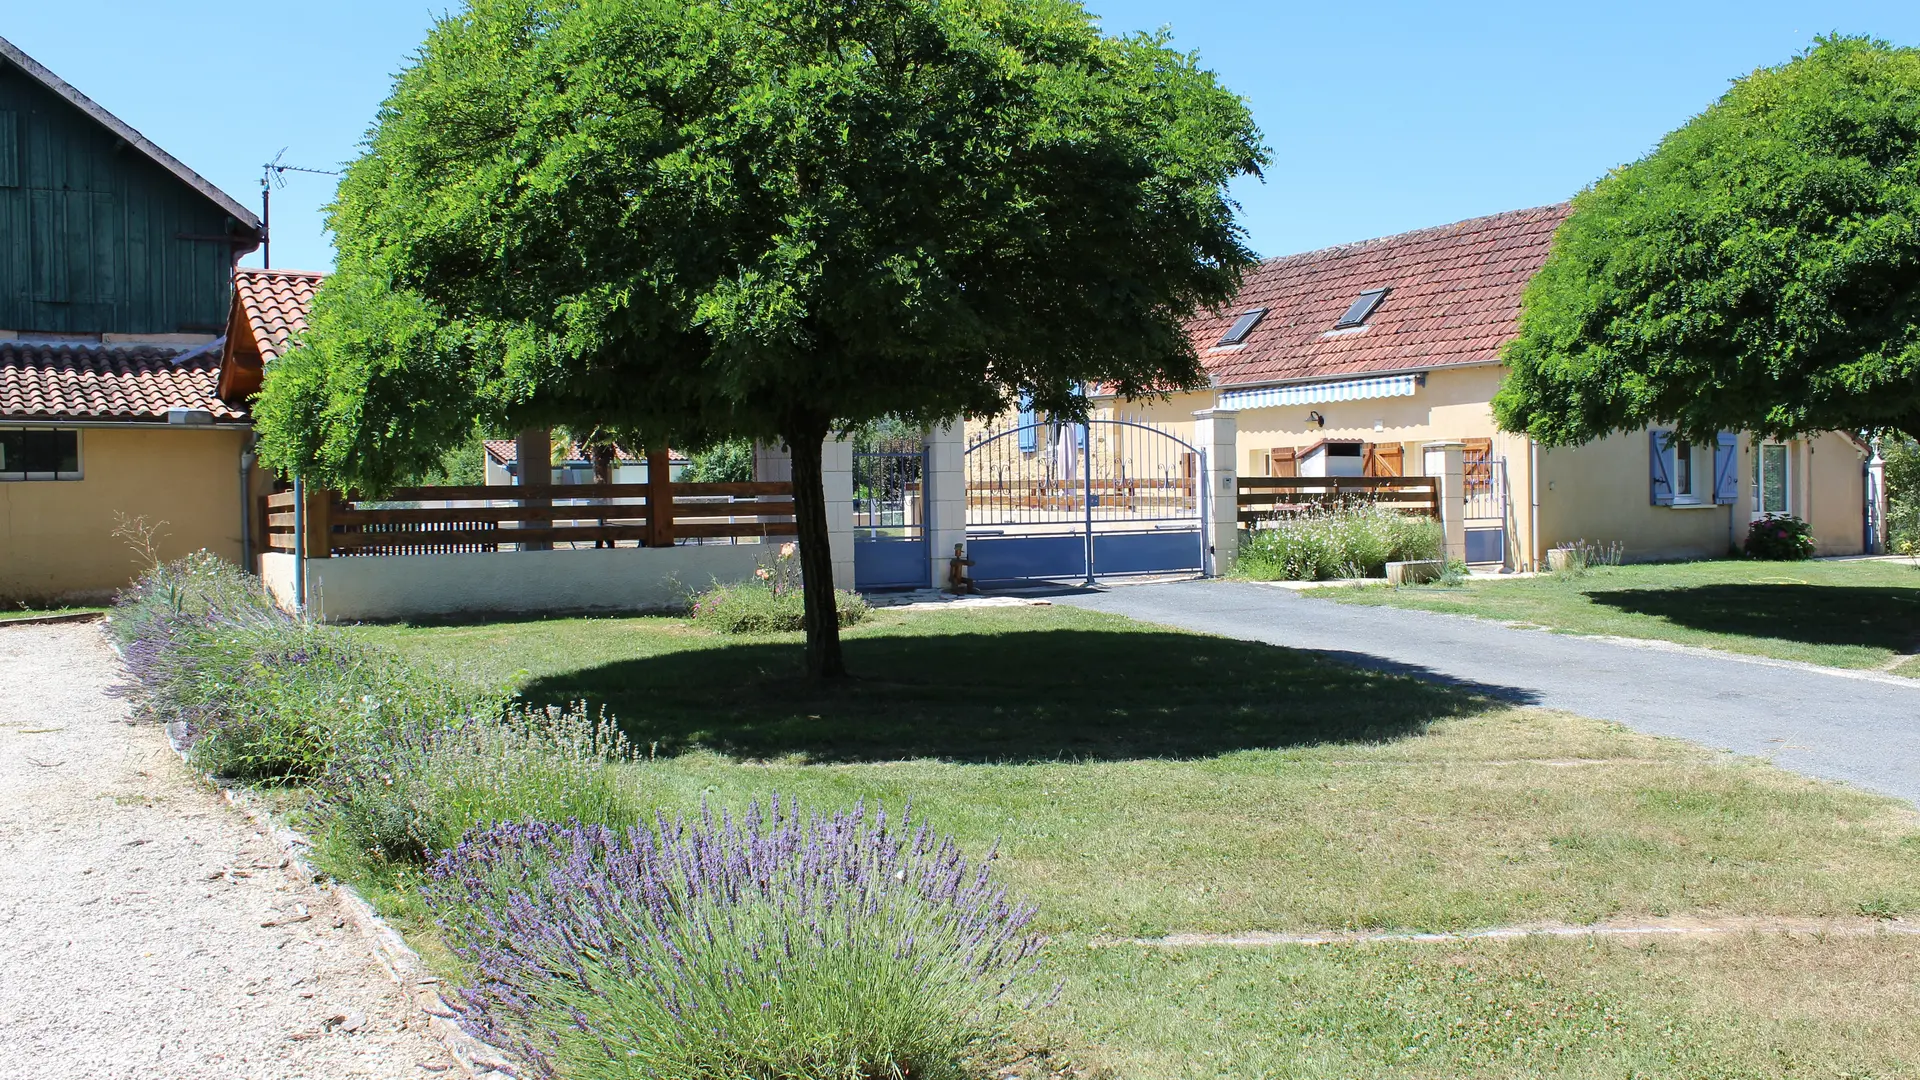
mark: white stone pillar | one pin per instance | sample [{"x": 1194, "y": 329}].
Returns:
[
  {"x": 946, "y": 498},
  {"x": 1216, "y": 433},
  {"x": 772, "y": 463},
  {"x": 836, "y": 476},
  {"x": 1447, "y": 462},
  {"x": 1877, "y": 501}
]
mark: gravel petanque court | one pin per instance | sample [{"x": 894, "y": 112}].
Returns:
[{"x": 147, "y": 929}]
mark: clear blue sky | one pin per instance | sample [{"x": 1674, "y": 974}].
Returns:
[{"x": 1381, "y": 118}]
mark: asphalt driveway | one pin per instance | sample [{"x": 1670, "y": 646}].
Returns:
[{"x": 1864, "y": 731}]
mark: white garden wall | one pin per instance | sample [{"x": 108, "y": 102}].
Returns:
[{"x": 604, "y": 579}]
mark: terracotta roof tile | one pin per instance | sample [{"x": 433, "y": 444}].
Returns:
[
  {"x": 90, "y": 382},
  {"x": 275, "y": 304},
  {"x": 1455, "y": 299}
]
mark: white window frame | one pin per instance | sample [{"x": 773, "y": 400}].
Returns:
[
  {"x": 1760, "y": 479},
  {"x": 9, "y": 475},
  {"x": 1691, "y": 497}
]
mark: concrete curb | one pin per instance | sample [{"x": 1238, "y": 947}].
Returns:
[
  {"x": 477, "y": 1059},
  {"x": 49, "y": 620}
]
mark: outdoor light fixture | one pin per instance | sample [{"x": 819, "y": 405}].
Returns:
[{"x": 1316, "y": 418}]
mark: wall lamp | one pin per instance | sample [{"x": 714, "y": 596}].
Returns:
[{"x": 1316, "y": 418}]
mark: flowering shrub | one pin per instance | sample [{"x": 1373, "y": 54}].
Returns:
[
  {"x": 420, "y": 786},
  {"x": 778, "y": 945},
  {"x": 1779, "y": 537},
  {"x": 261, "y": 694},
  {"x": 1358, "y": 540},
  {"x": 773, "y": 602}
]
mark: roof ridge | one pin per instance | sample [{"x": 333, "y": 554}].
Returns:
[
  {"x": 126, "y": 131},
  {"x": 1410, "y": 234},
  {"x": 278, "y": 271}
]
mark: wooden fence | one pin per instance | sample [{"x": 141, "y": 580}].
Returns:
[
  {"x": 436, "y": 520},
  {"x": 1267, "y": 499}
]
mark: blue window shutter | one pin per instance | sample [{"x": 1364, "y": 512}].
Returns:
[
  {"x": 1080, "y": 436},
  {"x": 1029, "y": 434},
  {"x": 1726, "y": 478},
  {"x": 1661, "y": 479}
]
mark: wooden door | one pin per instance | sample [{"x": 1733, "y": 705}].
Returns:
[
  {"x": 1280, "y": 461},
  {"x": 1479, "y": 463}
]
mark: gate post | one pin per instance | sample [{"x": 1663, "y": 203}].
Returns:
[
  {"x": 1447, "y": 463},
  {"x": 836, "y": 476},
  {"x": 945, "y": 498},
  {"x": 1216, "y": 433}
]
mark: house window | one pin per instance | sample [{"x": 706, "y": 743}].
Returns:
[
  {"x": 1683, "y": 472},
  {"x": 39, "y": 454},
  {"x": 1770, "y": 480}
]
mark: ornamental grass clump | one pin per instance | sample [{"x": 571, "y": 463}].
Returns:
[
  {"x": 1352, "y": 541},
  {"x": 419, "y": 787},
  {"x": 778, "y": 945}
]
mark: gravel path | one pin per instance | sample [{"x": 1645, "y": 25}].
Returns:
[
  {"x": 1862, "y": 730},
  {"x": 147, "y": 929}
]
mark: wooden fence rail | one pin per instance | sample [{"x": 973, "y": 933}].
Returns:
[
  {"x": 1268, "y": 499},
  {"x": 428, "y": 520}
]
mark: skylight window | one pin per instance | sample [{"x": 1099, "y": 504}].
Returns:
[
  {"x": 1362, "y": 309},
  {"x": 1241, "y": 327}
]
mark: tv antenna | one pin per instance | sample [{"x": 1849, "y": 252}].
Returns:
[{"x": 274, "y": 174}]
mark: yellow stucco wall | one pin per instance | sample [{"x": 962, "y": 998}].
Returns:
[{"x": 56, "y": 537}]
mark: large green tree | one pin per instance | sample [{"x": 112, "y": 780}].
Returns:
[
  {"x": 702, "y": 219},
  {"x": 1760, "y": 270}
]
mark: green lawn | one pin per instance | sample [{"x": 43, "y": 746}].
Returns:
[
  {"x": 1142, "y": 781},
  {"x": 1841, "y": 614},
  {"x": 23, "y": 612}
]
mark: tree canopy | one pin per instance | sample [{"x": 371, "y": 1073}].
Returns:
[
  {"x": 703, "y": 219},
  {"x": 1759, "y": 271}
]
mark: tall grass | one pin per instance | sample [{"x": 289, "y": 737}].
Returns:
[
  {"x": 1352, "y": 541},
  {"x": 779, "y": 945}
]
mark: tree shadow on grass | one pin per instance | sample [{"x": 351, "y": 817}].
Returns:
[
  {"x": 1874, "y": 617},
  {"x": 1044, "y": 695}
]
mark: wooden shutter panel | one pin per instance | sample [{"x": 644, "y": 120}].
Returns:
[
  {"x": 1387, "y": 459},
  {"x": 1281, "y": 461},
  {"x": 1726, "y": 459},
  {"x": 1660, "y": 481},
  {"x": 1478, "y": 456}
]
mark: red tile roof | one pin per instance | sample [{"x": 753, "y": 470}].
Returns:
[
  {"x": 87, "y": 382},
  {"x": 507, "y": 451},
  {"x": 275, "y": 304},
  {"x": 1455, "y": 300}
]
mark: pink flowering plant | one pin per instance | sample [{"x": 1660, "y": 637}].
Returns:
[
  {"x": 1779, "y": 537},
  {"x": 771, "y": 602},
  {"x": 779, "y": 944}
]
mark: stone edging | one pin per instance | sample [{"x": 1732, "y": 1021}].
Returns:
[
  {"x": 477, "y": 1059},
  {"x": 47, "y": 620}
]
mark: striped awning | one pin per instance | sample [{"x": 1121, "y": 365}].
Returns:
[{"x": 1268, "y": 397}]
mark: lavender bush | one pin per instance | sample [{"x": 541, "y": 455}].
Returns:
[
  {"x": 420, "y": 786},
  {"x": 263, "y": 695},
  {"x": 780, "y": 945}
]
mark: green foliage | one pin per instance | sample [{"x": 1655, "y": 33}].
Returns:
[
  {"x": 1355, "y": 541},
  {"x": 464, "y": 465},
  {"x": 769, "y": 604},
  {"x": 1759, "y": 271},
  {"x": 730, "y": 462},
  {"x": 1902, "y": 455},
  {"x": 1779, "y": 537},
  {"x": 761, "y": 219},
  {"x": 415, "y": 790}
]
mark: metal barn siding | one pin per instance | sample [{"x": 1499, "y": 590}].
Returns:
[{"x": 95, "y": 237}]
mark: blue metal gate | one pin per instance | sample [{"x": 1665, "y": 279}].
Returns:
[
  {"x": 889, "y": 515},
  {"x": 1072, "y": 501}
]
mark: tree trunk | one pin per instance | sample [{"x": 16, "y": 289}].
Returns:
[{"x": 816, "y": 557}]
